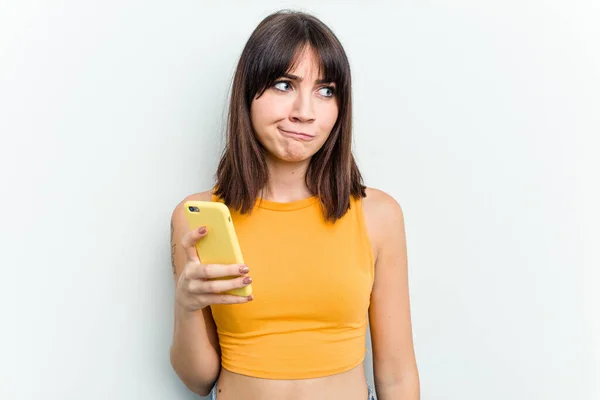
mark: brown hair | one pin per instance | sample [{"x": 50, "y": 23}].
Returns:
[{"x": 270, "y": 52}]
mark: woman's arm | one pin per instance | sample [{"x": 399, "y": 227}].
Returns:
[
  {"x": 195, "y": 352},
  {"x": 394, "y": 364}
]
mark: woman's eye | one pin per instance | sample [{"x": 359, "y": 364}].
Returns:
[
  {"x": 282, "y": 85},
  {"x": 327, "y": 91}
]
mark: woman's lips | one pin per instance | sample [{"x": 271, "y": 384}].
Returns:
[{"x": 296, "y": 135}]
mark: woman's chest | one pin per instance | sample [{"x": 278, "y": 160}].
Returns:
[{"x": 308, "y": 274}]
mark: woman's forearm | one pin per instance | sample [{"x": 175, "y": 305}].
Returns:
[
  {"x": 406, "y": 389},
  {"x": 193, "y": 356}
]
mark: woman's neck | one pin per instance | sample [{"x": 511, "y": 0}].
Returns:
[{"x": 286, "y": 181}]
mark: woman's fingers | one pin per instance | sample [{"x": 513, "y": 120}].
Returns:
[
  {"x": 208, "y": 282},
  {"x": 201, "y": 286},
  {"x": 197, "y": 270},
  {"x": 188, "y": 241},
  {"x": 211, "y": 271},
  {"x": 226, "y": 299}
]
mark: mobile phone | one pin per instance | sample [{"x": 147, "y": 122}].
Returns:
[{"x": 221, "y": 245}]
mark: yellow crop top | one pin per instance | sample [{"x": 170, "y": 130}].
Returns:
[{"x": 311, "y": 282}]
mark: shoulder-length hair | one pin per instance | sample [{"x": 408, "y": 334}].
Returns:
[{"x": 271, "y": 51}]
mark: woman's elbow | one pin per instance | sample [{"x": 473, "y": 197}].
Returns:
[{"x": 199, "y": 380}]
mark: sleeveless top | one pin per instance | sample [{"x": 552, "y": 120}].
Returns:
[{"x": 311, "y": 283}]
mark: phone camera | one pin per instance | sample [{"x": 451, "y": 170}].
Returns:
[{"x": 193, "y": 209}]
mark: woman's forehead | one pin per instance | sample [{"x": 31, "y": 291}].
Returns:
[{"x": 307, "y": 63}]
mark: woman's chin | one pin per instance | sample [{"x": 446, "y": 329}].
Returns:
[{"x": 292, "y": 157}]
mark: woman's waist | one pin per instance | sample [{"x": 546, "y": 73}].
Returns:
[{"x": 348, "y": 385}]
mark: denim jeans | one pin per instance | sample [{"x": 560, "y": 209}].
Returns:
[{"x": 213, "y": 393}]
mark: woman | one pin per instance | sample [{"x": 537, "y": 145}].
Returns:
[{"x": 325, "y": 255}]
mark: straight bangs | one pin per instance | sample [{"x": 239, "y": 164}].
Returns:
[{"x": 287, "y": 48}]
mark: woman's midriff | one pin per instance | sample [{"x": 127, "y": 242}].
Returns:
[{"x": 349, "y": 385}]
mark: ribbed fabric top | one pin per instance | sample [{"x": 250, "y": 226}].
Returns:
[{"x": 311, "y": 282}]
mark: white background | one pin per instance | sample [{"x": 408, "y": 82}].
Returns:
[{"x": 480, "y": 117}]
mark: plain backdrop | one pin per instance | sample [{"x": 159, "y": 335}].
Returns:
[{"x": 480, "y": 117}]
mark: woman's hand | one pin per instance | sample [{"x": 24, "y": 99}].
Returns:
[{"x": 195, "y": 289}]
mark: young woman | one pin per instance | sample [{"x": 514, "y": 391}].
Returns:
[{"x": 325, "y": 255}]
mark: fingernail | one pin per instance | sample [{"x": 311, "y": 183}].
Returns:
[
  {"x": 250, "y": 298},
  {"x": 244, "y": 269},
  {"x": 202, "y": 230},
  {"x": 247, "y": 280}
]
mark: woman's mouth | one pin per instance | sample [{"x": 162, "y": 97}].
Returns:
[{"x": 296, "y": 135}]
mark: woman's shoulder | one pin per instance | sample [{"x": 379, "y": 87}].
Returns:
[
  {"x": 201, "y": 196},
  {"x": 380, "y": 203},
  {"x": 381, "y": 212}
]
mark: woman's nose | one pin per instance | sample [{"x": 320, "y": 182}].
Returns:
[{"x": 303, "y": 108}]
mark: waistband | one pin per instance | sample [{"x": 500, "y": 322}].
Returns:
[{"x": 213, "y": 393}]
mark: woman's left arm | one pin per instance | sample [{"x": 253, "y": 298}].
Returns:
[{"x": 394, "y": 363}]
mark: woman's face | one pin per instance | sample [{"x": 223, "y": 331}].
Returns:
[{"x": 294, "y": 117}]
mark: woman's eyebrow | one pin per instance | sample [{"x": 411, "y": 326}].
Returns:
[{"x": 300, "y": 79}]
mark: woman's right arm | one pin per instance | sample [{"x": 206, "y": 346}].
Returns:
[{"x": 195, "y": 352}]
